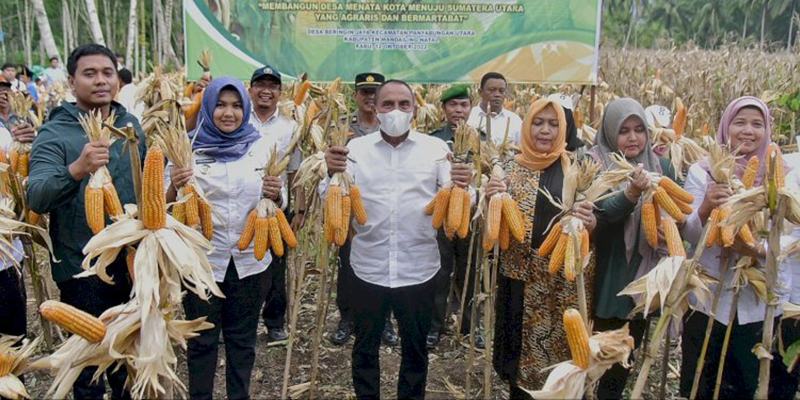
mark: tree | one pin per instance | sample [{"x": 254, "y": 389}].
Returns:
[
  {"x": 132, "y": 32},
  {"x": 94, "y": 23},
  {"x": 44, "y": 29}
]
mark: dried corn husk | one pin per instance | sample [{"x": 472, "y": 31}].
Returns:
[{"x": 10, "y": 385}]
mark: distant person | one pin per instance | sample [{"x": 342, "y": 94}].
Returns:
[
  {"x": 55, "y": 73},
  {"x": 493, "y": 94},
  {"x": 10, "y": 73},
  {"x": 26, "y": 77},
  {"x": 120, "y": 62},
  {"x": 127, "y": 93}
]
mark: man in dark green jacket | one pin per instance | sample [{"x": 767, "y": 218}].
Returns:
[
  {"x": 457, "y": 105},
  {"x": 62, "y": 160}
]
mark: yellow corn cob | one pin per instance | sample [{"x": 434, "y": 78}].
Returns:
[
  {"x": 341, "y": 233},
  {"x": 286, "y": 230},
  {"x": 713, "y": 228},
  {"x": 448, "y": 232},
  {"x": 33, "y": 218},
  {"x": 3, "y": 157},
  {"x": 780, "y": 169},
  {"x": 455, "y": 208},
  {"x": 24, "y": 161},
  {"x": 750, "y": 172},
  {"x": 206, "y": 218},
  {"x": 513, "y": 217},
  {"x": 463, "y": 231},
  {"x": 704, "y": 130},
  {"x": 675, "y": 191},
  {"x": 301, "y": 93},
  {"x": 679, "y": 123},
  {"x": 551, "y": 240},
  {"x": 663, "y": 199},
  {"x": 13, "y": 160},
  {"x": 333, "y": 207},
  {"x": 685, "y": 208},
  {"x": 488, "y": 243},
  {"x": 357, "y": 205},
  {"x": 6, "y": 362},
  {"x": 569, "y": 259},
  {"x": 495, "y": 214},
  {"x": 179, "y": 212},
  {"x": 442, "y": 200},
  {"x": 94, "y": 209},
  {"x": 330, "y": 234},
  {"x": 558, "y": 255},
  {"x": 726, "y": 233},
  {"x": 585, "y": 245},
  {"x": 111, "y": 202},
  {"x": 129, "y": 260},
  {"x": 192, "y": 211},
  {"x": 505, "y": 235},
  {"x": 275, "y": 237},
  {"x": 577, "y": 337},
  {"x": 673, "y": 238},
  {"x": 154, "y": 200},
  {"x": 261, "y": 238},
  {"x": 73, "y": 320},
  {"x": 248, "y": 232},
  {"x": 649, "y": 224},
  {"x": 431, "y": 206},
  {"x": 657, "y": 211},
  {"x": 747, "y": 235}
]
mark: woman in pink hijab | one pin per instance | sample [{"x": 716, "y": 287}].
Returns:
[{"x": 746, "y": 127}]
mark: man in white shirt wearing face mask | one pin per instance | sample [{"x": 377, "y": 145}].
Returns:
[{"x": 395, "y": 255}]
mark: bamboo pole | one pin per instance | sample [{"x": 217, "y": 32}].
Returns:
[
  {"x": 473, "y": 321},
  {"x": 678, "y": 285},
  {"x": 320, "y": 318},
  {"x": 725, "y": 343},
  {"x": 465, "y": 284},
  {"x": 490, "y": 277},
  {"x": 773, "y": 252},
  {"x": 698, "y": 372}
]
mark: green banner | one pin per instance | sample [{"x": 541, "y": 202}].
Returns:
[{"x": 423, "y": 41}]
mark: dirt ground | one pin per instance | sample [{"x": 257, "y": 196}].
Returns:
[{"x": 446, "y": 377}]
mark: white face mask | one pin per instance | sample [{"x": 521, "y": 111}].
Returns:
[{"x": 395, "y": 123}]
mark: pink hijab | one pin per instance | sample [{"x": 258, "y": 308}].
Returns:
[{"x": 723, "y": 137}]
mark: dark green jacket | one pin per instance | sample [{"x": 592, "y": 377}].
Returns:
[
  {"x": 446, "y": 134},
  {"x": 612, "y": 270},
  {"x": 51, "y": 188}
]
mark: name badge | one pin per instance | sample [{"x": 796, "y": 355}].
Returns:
[{"x": 202, "y": 161}]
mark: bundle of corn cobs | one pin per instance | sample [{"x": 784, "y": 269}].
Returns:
[
  {"x": 343, "y": 199},
  {"x": 722, "y": 165},
  {"x": 197, "y": 100},
  {"x": 267, "y": 224},
  {"x": 101, "y": 195},
  {"x": 661, "y": 194},
  {"x": 13, "y": 363},
  {"x": 19, "y": 154}
]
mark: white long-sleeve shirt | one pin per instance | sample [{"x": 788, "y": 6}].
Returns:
[
  {"x": 278, "y": 131},
  {"x": 233, "y": 188},
  {"x": 397, "y": 247},
  {"x": 750, "y": 308},
  {"x": 505, "y": 118},
  {"x": 5, "y": 143}
]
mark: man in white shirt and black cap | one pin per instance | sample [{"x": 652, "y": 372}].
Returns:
[
  {"x": 395, "y": 255},
  {"x": 491, "y": 108}
]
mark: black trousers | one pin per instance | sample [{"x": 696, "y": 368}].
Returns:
[
  {"x": 274, "y": 313},
  {"x": 613, "y": 382},
  {"x": 12, "y": 303},
  {"x": 412, "y": 307},
  {"x": 454, "y": 258},
  {"x": 95, "y": 296},
  {"x": 237, "y": 317},
  {"x": 740, "y": 379},
  {"x": 344, "y": 283}
]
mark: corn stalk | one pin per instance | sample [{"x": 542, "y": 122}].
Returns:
[
  {"x": 763, "y": 349},
  {"x": 297, "y": 278},
  {"x": 474, "y": 318},
  {"x": 490, "y": 284},
  {"x": 321, "y": 312},
  {"x": 725, "y": 343},
  {"x": 467, "y": 275},
  {"x": 678, "y": 286}
]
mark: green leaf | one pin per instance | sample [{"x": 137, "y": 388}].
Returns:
[{"x": 790, "y": 359}]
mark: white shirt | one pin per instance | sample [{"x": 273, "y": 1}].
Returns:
[
  {"x": 750, "y": 308},
  {"x": 278, "y": 130},
  {"x": 127, "y": 97},
  {"x": 233, "y": 188},
  {"x": 397, "y": 247},
  {"x": 505, "y": 118},
  {"x": 54, "y": 75},
  {"x": 5, "y": 143}
]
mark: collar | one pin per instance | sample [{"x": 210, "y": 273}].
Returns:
[
  {"x": 413, "y": 137},
  {"x": 483, "y": 113},
  {"x": 274, "y": 115}
]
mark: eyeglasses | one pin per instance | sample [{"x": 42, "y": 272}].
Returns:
[{"x": 266, "y": 85}]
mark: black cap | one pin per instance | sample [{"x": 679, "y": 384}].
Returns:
[
  {"x": 265, "y": 71},
  {"x": 369, "y": 80}
]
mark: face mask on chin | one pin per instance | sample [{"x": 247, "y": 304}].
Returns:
[{"x": 395, "y": 123}]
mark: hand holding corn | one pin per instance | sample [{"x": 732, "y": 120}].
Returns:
[
  {"x": 584, "y": 211},
  {"x": 461, "y": 174},
  {"x": 180, "y": 176},
  {"x": 271, "y": 188},
  {"x": 716, "y": 195},
  {"x": 93, "y": 156},
  {"x": 336, "y": 159},
  {"x": 23, "y": 132},
  {"x": 495, "y": 186},
  {"x": 640, "y": 181},
  {"x": 201, "y": 84}
]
